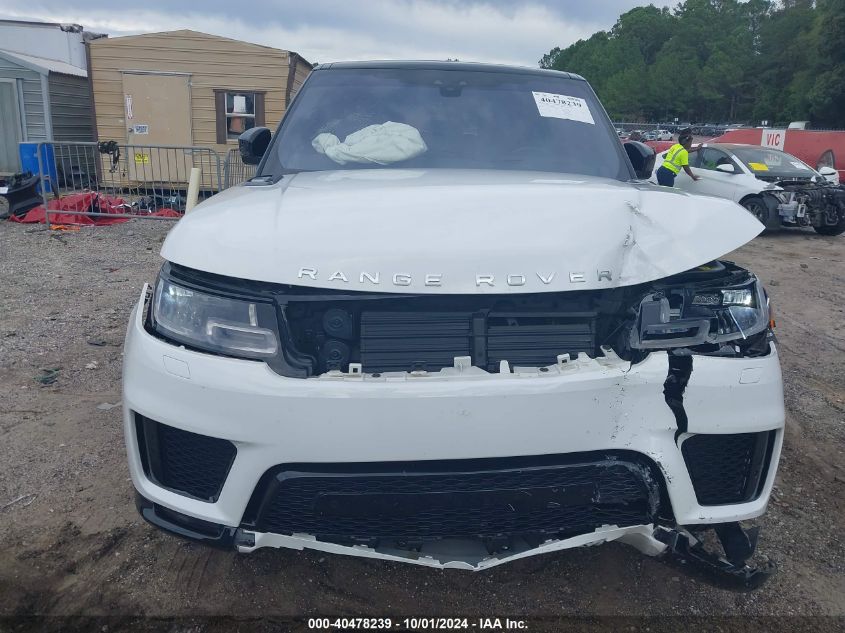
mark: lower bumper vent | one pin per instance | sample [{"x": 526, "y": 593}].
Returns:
[
  {"x": 184, "y": 462},
  {"x": 728, "y": 468},
  {"x": 419, "y": 501}
]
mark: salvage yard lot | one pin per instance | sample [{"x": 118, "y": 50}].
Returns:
[{"x": 72, "y": 543}]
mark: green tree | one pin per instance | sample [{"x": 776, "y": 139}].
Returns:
[
  {"x": 827, "y": 95},
  {"x": 720, "y": 60},
  {"x": 673, "y": 80}
]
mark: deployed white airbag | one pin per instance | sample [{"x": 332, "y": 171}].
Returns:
[{"x": 382, "y": 144}]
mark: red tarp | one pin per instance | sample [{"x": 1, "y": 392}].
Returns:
[{"x": 85, "y": 202}]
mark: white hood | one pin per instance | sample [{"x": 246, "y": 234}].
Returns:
[{"x": 455, "y": 232}]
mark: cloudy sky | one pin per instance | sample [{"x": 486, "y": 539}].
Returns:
[{"x": 515, "y": 31}]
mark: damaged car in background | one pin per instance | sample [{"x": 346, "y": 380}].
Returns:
[
  {"x": 431, "y": 330},
  {"x": 779, "y": 189}
]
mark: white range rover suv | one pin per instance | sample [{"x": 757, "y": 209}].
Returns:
[{"x": 449, "y": 323}]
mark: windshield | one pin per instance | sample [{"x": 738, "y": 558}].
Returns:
[
  {"x": 428, "y": 118},
  {"x": 772, "y": 163}
]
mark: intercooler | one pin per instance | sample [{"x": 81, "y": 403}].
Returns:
[
  {"x": 398, "y": 341},
  {"x": 427, "y": 334}
]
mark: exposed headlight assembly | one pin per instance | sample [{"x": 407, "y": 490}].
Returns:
[
  {"x": 216, "y": 324},
  {"x": 686, "y": 317}
]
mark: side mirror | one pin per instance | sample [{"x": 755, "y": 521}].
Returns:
[
  {"x": 829, "y": 174},
  {"x": 252, "y": 144},
  {"x": 642, "y": 157},
  {"x": 726, "y": 167}
]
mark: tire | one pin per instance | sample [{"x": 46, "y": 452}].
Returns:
[
  {"x": 831, "y": 229},
  {"x": 764, "y": 210}
]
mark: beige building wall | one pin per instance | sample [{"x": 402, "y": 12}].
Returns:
[
  {"x": 302, "y": 70},
  {"x": 212, "y": 62}
]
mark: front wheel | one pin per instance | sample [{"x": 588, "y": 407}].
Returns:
[
  {"x": 831, "y": 229},
  {"x": 763, "y": 210}
]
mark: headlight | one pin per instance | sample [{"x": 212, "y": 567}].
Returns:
[
  {"x": 685, "y": 317},
  {"x": 738, "y": 297},
  {"x": 216, "y": 324}
]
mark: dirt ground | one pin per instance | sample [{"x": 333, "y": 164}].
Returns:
[{"x": 71, "y": 542}]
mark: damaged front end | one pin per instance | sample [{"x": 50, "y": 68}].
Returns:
[
  {"x": 730, "y": 570},
  {"x": 715, "y": 309},
  {"x": 465, "y": 431},
  {"x": 718, "y": 309},
  {"x": 818, "y": 204}
]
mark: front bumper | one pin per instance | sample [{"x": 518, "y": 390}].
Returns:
[{"x": 583, "y": 406}]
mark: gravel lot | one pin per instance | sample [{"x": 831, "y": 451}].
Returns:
[{"x": 71, "y": 542}]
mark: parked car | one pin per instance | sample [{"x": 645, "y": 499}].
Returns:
[
  {"x": 708, "y": 130},
  {"x": 651, "y": 135},
  {"x": 663, "y": 135},
  {"x": 776, "y": 187},
  {"x": 449, "y": 323},
  {"x": 817, "y": 148}
]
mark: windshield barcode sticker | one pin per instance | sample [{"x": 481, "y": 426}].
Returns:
[{"x": 563, "y": 107}]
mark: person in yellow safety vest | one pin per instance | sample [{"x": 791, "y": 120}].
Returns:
[{"x": 677, "y": 158}]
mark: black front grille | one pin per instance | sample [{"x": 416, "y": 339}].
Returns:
[
  {"x": 184, "y": 462},
  {"x": 534, "y": 341},
  {"x": 328, "y": 329},
  {"x": 728, "y": 468},
  {"x": 419, "y": 501},
  {"x": 393, "y": 333},
  {"x": 402, "y": 341}
]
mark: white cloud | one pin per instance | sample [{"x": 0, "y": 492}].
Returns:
[{"x": 388, "y": 29}]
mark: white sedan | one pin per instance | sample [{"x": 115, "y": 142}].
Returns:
[{"x": 778, "y": 188}]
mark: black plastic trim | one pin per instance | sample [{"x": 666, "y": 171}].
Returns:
[
  {"x": 269, "y": 482},
  {"x": 147, "y": 433},
  {"x": 184, "y": 526},
  {"x": 755, "y": 476},
  {"x": 767, "y": 462}
]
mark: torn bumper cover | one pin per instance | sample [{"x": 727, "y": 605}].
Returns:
[
  {"x": 444, "y": 554},
  {"x": 541, "y": 459},
  {"x": 676, "y": 547}
]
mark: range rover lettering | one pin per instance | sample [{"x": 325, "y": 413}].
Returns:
[{"x": 448, "y": 322}]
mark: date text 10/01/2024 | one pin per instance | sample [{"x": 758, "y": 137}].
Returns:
[{"x": 433, "y": 624}]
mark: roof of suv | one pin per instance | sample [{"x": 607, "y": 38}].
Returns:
[{"x": 446, "y": 65}]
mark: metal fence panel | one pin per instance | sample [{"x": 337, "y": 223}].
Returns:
[
  {"x": 235, "y": 171},
  {"x": 148, "y": 178}
]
